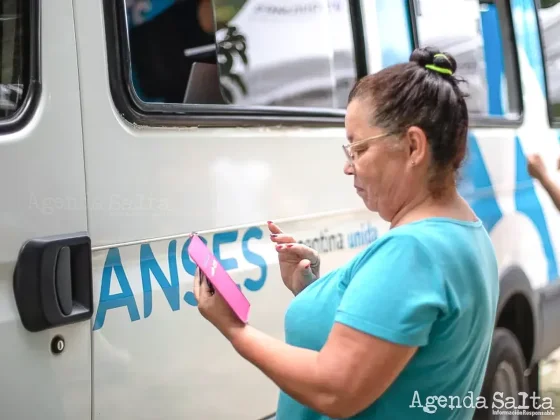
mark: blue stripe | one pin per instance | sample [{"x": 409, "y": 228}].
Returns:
[
  {"x": 395, "y": 39},
  {"x": 527, "y": 36},
  {"x": 477, "y": 188},
  {"x": 494, "y": 58},
  {"x": 527, "y": 202}
]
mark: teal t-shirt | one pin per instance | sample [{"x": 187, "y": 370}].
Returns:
[{"x": 431, "y": 284}]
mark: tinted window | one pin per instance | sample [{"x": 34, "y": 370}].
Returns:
[
  {"x": 242, "y": 52},
  {"x": 479, "y": 35},
  {"x": 549, "y": 16},
  {"x": 13, "y": 56}
]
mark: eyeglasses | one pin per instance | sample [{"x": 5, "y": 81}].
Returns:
[{"x": 348, "y": 147}]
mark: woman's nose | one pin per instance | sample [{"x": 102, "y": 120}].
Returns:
[{"x": 348, "y": 168}]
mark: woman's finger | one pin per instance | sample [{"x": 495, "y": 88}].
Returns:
[
  {"x": 205, "y": 289},
  {"x": 282, "y": 238},
  {"x": 203, "y": 285},
  {"x": 196, "y": 284},
  {"x": 274, "y": 228},
  {"x": 301, "y": 251},
  {"x": 304, "y": 268},
  {"x": 303, "y": 275}
]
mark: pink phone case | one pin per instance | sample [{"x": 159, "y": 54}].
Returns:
[{"x": 220, "y": 279}]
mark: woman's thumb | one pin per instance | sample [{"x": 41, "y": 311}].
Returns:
[{"x": 304, "y": 271}]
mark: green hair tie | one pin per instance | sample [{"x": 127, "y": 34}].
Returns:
[
  {"x": 442, "y": 55},
  {"x": 439, "y": 69}
]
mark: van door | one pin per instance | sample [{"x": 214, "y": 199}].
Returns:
[
  {"x": 46, "y": 373},
  {"x": 164, "y": 158}
]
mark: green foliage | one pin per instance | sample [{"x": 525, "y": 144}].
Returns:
[
  {"x": 548, "y": 3},
  {"x": 225, "y": 10},
  {"x": 233, "y": 44},
  {"x": 555, "y": 109}
]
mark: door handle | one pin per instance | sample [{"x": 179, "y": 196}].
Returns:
[{"x": 53, "y": 281}]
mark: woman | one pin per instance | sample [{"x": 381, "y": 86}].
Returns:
[{"x": 411, "y": 317}]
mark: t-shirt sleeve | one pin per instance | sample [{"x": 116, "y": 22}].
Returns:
[{"x": 395, "y": 293}]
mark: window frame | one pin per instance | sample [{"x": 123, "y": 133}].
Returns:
[
  {"x": 478, "y": 120},
  {"x": 553, "y": 121},
  {"x": 138, "y": 112},
  {"x": 33, "y": 71}
]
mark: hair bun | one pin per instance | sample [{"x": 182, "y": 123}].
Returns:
[{"x": 431, "y": 57}]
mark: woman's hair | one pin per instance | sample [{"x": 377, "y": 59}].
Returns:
[{"x": 422, "y": 93}]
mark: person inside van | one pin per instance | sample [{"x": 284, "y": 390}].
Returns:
[
  {"x": 537, "y": 170},
  {"x": 411, "y": 317},
  {"x": 157, "y": 49}
]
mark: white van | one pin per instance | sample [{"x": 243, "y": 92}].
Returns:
[{"x": 108, "y": 160}]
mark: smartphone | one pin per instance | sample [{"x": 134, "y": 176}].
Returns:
[{"x": 218, "y": 278}]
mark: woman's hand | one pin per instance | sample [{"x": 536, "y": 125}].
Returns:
[
  {"x": 214, "y": 308},
  {"x": 536, "y": 168},
  {"x": 299, "y": 264}
]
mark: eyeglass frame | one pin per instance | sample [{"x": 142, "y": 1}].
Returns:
[{"x": 347, "y": 147}]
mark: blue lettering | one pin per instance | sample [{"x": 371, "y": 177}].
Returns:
[
  {"x": 190, "y": 267},
  {"x": 148, "y": 264},
  {"x": 365, "y": 236},
  {"x": 370, "y": 233},
  {"x": 253, "y": 258},
  {"x": 150, "y": 269},
  {"x": 190, "y": 298},
  {"x": 220, "y": 239},
  {"x": 355, "y": 239},
  {"x": 108, "y": 301}
]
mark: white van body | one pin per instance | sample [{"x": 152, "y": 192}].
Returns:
[{"x": 75, "y": 161}]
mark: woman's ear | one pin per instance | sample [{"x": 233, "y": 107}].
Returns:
[{"x": 417, "y": 145}]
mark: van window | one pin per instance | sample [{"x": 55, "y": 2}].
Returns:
[
  {"x": 479, "y": 35},
  {"x": 244, "y": 53},
  {"x": 14, "y": 79},
  {"x": 549, "y": 17}
]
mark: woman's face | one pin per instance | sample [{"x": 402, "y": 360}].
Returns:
[{"x": 385, "y": 173}]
